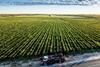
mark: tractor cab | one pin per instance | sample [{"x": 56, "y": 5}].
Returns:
[{"x": 52, "y": 59}]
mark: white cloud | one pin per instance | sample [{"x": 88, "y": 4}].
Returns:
[{"x": 50, "y": 9}]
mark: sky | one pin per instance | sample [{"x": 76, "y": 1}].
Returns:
[{"x": 50, "y": 9}]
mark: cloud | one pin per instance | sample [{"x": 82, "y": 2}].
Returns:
[{"x": 50, "y": 9}]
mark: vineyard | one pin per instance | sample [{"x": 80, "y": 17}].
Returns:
[{"x": 36, "y": 36}]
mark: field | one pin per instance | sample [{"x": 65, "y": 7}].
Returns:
[{"x": 33, "y": 36}]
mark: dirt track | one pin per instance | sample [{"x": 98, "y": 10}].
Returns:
[{"x": 95, "y": 63}]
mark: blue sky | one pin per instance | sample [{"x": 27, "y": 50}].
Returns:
[
  {"x": 48, "y": 9},
  {"x": 49, "y": 1}
]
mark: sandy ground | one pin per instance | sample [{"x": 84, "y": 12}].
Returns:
[
  {"x": 83, "y": 60},
  {"x": 95, "y": 63}
]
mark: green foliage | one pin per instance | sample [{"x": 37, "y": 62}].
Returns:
[{"x": 36, "y": 36}]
